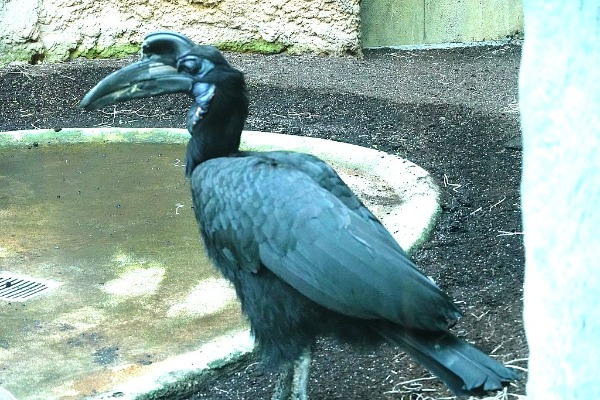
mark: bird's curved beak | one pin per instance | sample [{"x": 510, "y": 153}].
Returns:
[
  {"x": 144, "y": 78},
  {"x": 155, "y": 74}
]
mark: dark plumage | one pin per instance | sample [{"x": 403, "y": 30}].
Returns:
[{"x": 306, "y": 257}]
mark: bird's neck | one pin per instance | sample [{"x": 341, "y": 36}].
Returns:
[
  {"x": 208, "y": 145},
  {"x": 218, "y": 133}
]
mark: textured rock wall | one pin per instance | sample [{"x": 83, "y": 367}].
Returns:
[{"x": 54, "y": 30}]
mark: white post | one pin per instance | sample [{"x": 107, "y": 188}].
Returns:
[{"x": 560, "y": 109}]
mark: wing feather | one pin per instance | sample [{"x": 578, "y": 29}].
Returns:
[{"x": 264, "y": 212}]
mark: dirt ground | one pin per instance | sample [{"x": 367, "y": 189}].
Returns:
[{"x": 454, "y": 112}]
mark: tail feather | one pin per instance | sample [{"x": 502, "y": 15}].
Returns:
[{"x": 462, "y": 367}]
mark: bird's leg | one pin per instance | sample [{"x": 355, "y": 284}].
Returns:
[
  {"x": 301, "y": 372},
  {"x": 292, "y": 380},
  {"x": 283, "y": 386}
]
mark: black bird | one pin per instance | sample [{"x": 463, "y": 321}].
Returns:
[{"x": 306, "y": 257}]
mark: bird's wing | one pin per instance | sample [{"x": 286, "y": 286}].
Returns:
[
  {"x": 258, "y": 212},
  {"x": 326, "y": 177}
]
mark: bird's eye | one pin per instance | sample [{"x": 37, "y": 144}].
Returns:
[{"x": 189, "y": 65}]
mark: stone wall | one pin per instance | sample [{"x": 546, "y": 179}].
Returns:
[{"x": 56, "y": 30}]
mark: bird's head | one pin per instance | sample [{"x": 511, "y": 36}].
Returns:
[{"x": 172, "y": 63}]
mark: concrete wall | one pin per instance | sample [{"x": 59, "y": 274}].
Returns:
[
  {"x": 559, "y": 96},
  {"x": 412, "y": 22},
  {"x": 53, "y": 30}
]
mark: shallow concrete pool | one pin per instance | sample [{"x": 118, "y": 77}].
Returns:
[{"x": 106, "y": 215}]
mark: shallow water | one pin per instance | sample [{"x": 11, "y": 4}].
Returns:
[
  {"x": 84, "y": 197},
  {"x": 114, "y": 224}
]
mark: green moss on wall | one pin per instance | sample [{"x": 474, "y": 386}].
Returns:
[
  {"x": 260, "y": 46},
  {"x": 32, "y": 56},
  {"x": 118, "y": 51},
  {"x": 20, "y": 53},
  {"x": 115, "y": 51}
]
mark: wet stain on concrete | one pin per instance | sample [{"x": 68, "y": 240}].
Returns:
[{"x": 106, "y": 355}]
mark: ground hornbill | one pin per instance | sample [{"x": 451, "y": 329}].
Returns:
[{"x": 306, "y": 257}]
